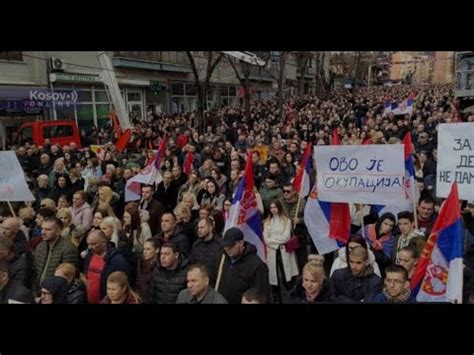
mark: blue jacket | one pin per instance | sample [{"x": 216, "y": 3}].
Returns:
[
  {"x": 114, "y": 261},
  {"x": 381, "y": 298}
]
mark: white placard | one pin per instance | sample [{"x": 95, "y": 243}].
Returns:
[
  {"x": 455, "y": 159},
  {"x": 13, "y": 185},
  {"x": 371, "y": 174}
]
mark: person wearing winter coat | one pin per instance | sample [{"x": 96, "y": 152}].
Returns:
[
  {"x": 53, "y": 291},
  {"x": 380, "y": 239},
  {"x": 396, "y": 287},
  {"x": 169, "y": 277},
  {"x": 198, "y": 290},
  {"x": 357, "y": 282},
  {"x": 146, "y": 266},
  {"x": 342, "y": 260},
  {"x": 282, "y": 265},
  {"x": 76, "y": 293},
  {"x": 241, "y": 269},
  {"x": 119, "y": 290},
  {"x": 313, "y": 286}
]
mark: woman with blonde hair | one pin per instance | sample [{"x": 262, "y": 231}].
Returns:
[
  {"x": 76, "y": 293},
  {"x": 65, "y": 215},
  {"x": 118, "y": 239},
  {"x": 282, "y": 265},
  {"x": 92, "y": 188},
  {"x": 312, "y": 287},
  {"x": 189, "y": 199},
  {"x": 119, "y": 290},
  {"x": 145, "y": 226},
  {"x": 183, "y": 221},
  {"x": 104, "y": 201},
  {"x": 48, "y": 203},
  {"x": 109, "y": 227}
]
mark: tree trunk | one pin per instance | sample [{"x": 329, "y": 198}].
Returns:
[
  {"x": 356, "y": 70},
  {"x": 247, "y": 94},
  {"x": 303, "y": 59},
  {"x": 203, "y": 87},
  {"x": 281, "y": 84}
]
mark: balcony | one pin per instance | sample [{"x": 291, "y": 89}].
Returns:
[{"x": 158, "y": 61}]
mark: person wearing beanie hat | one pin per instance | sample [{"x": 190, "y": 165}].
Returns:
[{"x": 54, "y": 290}]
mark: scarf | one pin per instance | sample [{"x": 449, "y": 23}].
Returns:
[{"x": 403, "y": 297}]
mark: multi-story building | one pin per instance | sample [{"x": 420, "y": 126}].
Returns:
[
  {"x": 414, "y": 67},
  {"x": 67, "y": 85},
  {"x": 443, "y": 70}
]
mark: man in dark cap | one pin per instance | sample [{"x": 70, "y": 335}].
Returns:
[{"x": 240, "y": 268}]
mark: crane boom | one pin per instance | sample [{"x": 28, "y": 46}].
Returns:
[{"x": 108, "y": 78}]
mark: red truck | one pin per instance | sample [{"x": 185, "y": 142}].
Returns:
[{"x": 58, "y": 132}]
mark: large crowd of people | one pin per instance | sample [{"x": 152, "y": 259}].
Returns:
[{"x": 80, "y": 241}]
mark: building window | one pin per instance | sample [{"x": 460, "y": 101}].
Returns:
[
  {"x": 228, "y": 95},
  {"x": 183, "y": 97},
  {"x": 177, "y": 89},
  {"x": 11, "y": 56},
  {"x": 135, "y": 105}
]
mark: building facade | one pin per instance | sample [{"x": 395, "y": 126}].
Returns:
[
  {"x": 443, "y": 72},
  {"x": 67, "y": 84},
  {"x": 412, "y": 67}
]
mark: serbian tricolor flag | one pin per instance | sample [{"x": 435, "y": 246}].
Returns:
[
  {"x": 244, "y": 213},
  {"x": 149, "y": 175},
  {"x": 328, "y": 223},
  {"x": 387, "y": 106},
  {"x": 411, "y": 191},
  {"x": 188, "y": 163},
  {"x": 439, "y": 274},
  {"x": 301, "y": 182}
]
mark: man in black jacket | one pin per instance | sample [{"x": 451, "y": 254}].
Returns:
[
  {"x": 12, "y": 291},
  {"x": 21, "y": 266},
  {"x": 357, "y": 282},
  {"x": 241, "y": 268},
  {"x": 154, "y": 208},
  {"x": 207, "y": 249},
  {"x": 169, "y": 276},
  {"x": 167, "y": 192},
  {"x": 169, "y": 233}
]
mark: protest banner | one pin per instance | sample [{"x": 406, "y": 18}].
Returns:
[
  {"x": 371, "y": 174},
  {"x": 455, "y": 159},
  {"x": 13, "y": 185}
]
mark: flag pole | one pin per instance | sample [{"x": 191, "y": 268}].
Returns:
[
  {"x": 415, "y": 213},
  {"x": 219, "y": 274},
  {"x": 299, "y": 199},
  {"x": 11, "y": 209},
  {"x": 362, "y": 227}
]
